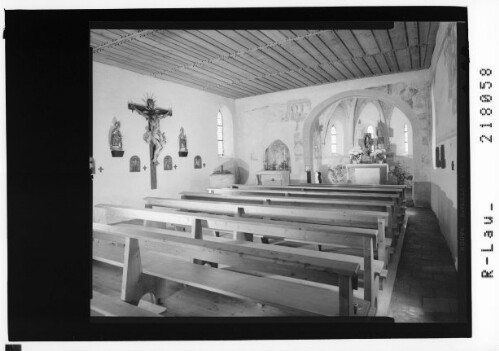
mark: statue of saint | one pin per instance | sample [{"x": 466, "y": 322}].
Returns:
[
  {"x": 182, "y": 143},
  {"x": 116, "y": 137},
  {"x": 153, "y": 133},
  {"x": 368, "y": 143}
]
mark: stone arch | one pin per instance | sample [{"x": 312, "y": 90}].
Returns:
[{"x": 360, "y": 93}]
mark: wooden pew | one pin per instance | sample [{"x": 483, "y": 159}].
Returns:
[
  {"x": 339, "y": 218},
  {"x": 362, "y": 205},
  {"x": 340, "y": 185},
  {"x": 290, "y": 192},
  {"x": 376, "y": 187},
  {"x": 382, "y": 189},
  {"x": 168, "y": 256},
  {"x": 243, "y": 228}
]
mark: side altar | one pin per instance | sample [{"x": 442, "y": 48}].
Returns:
[{"x": 367, "y": 173}]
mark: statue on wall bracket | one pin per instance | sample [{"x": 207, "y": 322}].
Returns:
[
  {"x": 115, "y": 139},
  {"x": 153, "y": 134},
  {"x": 182, "y": 143}
]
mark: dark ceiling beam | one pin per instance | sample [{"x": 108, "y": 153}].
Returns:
[
  {"x": 393, "y": 51},
  {"x": 181, "y": 52},
  {"x": 184, "y": 44},
  {"x": 211, "y": 89},
  {"x": 367, "y": 42},
  {"x": 380, "y": 51},
  {"x": 205, "y": 84},
  {"x": 406, "y": 37},
  {"x": 122, "y": 40},
  {"x": 355, "y": 51},
  {"x": 432, "y": 34},
  {"x": 350, "y": 56}
]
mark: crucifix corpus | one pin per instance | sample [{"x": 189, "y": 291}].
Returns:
[{"x": 153, "y": 134}]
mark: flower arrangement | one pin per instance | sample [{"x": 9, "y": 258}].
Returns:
[
  {"x": 355, "y": 154},
  {"x": 338, "y": 174},
  {"x": 379, "y": 155},
  {"x": 399, "y": 174}
]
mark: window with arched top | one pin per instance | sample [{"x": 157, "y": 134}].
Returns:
[
  {"x": 370, "y": 130},
  {"x": 406, "y": 139},
  {"x": 334, "y": 140},
  {"x": 220, "y": 134}
]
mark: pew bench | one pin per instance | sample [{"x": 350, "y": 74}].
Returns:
[
  {"x": 378, "y": 267},
  {"x": 339, "y": 218},
  {"x": 291, "y": 192},
  {"x": 385, "y": 188},
  {"x": 336, "y": 204},
  {"x": 170, "y": 257},
  {"x": 364, "y": 240},
  {"x": 394, "y": 199}
]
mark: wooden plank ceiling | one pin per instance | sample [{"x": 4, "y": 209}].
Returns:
[{"x": 241, "y": 63}]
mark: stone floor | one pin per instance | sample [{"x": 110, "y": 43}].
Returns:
[{"x": 425, "y": 287}]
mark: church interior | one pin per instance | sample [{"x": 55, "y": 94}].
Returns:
[{"x": 276, "y": 172}]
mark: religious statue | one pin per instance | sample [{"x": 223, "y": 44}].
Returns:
[
  {"x": 92, "y": 165},
  {"x": 153, "y": 134},
  {"x": 182, "y": 143},
  {"x": 115, "y": 139},
  {"x": 368, "y": 143}
]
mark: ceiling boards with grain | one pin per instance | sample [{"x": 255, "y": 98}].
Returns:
[{"x": 241, "y": 63}]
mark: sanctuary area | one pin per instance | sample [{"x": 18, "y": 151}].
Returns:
[{"x": 277, "y": 172}]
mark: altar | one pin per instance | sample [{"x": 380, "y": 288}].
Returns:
[{"x": 370, "y": 173}]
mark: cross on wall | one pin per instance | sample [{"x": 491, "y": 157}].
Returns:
[{"x": 153, "y": 136}]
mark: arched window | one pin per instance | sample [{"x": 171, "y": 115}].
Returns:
[
  {"x": 406, "y": 140},
  {"x": 220, "y": 134},
  {"x": 334, "y": 141},
  {"x": 370, "y": 130}
]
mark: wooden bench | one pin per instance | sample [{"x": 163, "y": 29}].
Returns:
[
  {"x": 345, "y": 185},
  {"x": 363, "y": 240},
  {"x": 362, "y": 205},
  {"x": 289, "y": 192},
  {"x": 382, "y": 189},
  {"x": 107, "y": 306},
  {"x": 386, "y": 188},
  {"x": 340, "y": 218},
  {"x": 113, "y": 255},
  {"x": 166, "y": 255},
  {"x": 292, "y": 191}
]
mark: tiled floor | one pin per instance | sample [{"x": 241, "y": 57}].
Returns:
[{"x": 425, "y": 287}]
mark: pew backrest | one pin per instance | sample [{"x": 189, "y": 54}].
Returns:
[
  {"x": 229, "y": 282},
  {"x": 311, "y": 194}
]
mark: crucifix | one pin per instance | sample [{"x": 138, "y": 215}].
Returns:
[{"x": 153, "y": 134}]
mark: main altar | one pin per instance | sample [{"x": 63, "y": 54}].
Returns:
[
  {"x": 368, "y": 162},
  {"x": 367, "y": 173}
]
